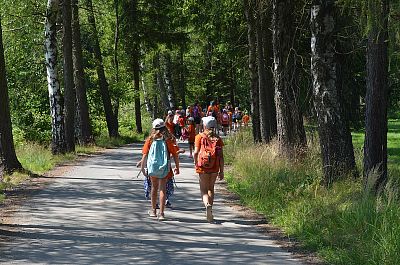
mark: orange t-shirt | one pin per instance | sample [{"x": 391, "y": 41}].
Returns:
[
  {"x": 197, "y": 144},
  {"x": 170, "y": 127},
  {"x": 246, "y": 118},
  {"x": 181, "y": 121},
  {"x": 192, "y": 133},
  {"x": 213, "y": 108},
  {"x": 172, "y": 149}
]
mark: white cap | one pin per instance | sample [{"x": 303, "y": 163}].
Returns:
[
  {"x": 170, "y": 113},
  {"x": 158, "y": 124},
  {"x": 209, "y": 122}
]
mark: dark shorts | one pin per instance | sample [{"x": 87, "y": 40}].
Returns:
[
  {"x": 197, "y": 120},
  {"x": 225, "y": 125}
]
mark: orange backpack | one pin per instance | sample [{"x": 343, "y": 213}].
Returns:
[{"x": 208, "y": 155}]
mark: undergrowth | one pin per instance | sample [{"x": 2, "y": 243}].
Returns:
[{"x": 343, "y": 224}]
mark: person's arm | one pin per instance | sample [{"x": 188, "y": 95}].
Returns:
[
  {"x": 195, "y": 154},
  {"x": 221, "y": 165},
  {"x": 143, "y": 162},
  {"x": 176, "y": 169}
]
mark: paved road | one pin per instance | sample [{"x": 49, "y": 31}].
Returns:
[{"x": 96, "y": 214}]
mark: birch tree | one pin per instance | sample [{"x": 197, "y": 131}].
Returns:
[
  {"x": 167, "y": 75},
  {"x": 160, "y": 84},
  {"x": 334, "y": 133},
  {"x": 58, "y": 145}
]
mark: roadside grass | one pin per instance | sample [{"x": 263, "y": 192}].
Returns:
[{"x": 343, "y": 224}]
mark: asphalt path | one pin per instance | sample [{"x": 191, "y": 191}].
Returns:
[{"x": 96, "y": 213}]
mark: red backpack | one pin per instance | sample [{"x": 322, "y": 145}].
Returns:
[{"x": 208, "y": 155}]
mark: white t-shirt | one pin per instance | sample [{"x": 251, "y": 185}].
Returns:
[{"x": 176, "y": 119}]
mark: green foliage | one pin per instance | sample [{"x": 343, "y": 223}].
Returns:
[{"x": 343, "y": 224}]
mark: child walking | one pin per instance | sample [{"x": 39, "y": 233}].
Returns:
[
  {"x": 157, "y": 150},
  {"x": 209, "y": 162}
]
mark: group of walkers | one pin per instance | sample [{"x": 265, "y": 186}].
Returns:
[
  {"x": 228, "y": 119},
  {"x": 206, "y": 150}
]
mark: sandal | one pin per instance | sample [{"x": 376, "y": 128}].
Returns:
[
  {"x": 152, "y": 213},
  {"x": 161, "y": 217}
]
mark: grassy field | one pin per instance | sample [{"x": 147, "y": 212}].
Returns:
[
  {"x": 343, "y": 224},
  {"x": 393, "y": 145}
]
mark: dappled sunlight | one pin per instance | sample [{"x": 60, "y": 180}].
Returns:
[{"x": 97, "y": 214}]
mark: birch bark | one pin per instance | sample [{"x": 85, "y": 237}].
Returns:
[
  {"x": 334, "y": 133},
  {"x": 58, "y": 145}
]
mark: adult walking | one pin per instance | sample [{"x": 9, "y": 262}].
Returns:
[
  {"x": 209, "y": 162},
  {"x": 197, "y": 114}
]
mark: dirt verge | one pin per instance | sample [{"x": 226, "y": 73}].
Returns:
[{"x": 261, "y": 223}]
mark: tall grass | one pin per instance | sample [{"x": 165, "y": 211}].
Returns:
[{"x": 343, "y": 224}]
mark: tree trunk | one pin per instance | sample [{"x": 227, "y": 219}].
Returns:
[
  {"x": 147, "y": 103},
  {"x": 69, "y": 92},
  {"x": 265, "y": 109},
  {"x": 160, "y": 81},
  {"x": 58, "y": 145},
  {"x": 232, "y": 83},
  {"x": 8, "y": 159},
  {"x": 136, "y": 87},
  {"x": 155, "y": 99},
  {"x": 116, "y": 41},
  {"x": 168, "y": 81},
  {"x": 155, "y": 108},
  {"x": 268, "y": 62},
  {"x": 85, "y": 135},
  {"x": 290, "y": 128},
  {"x": 210, "y": 91},
  {"x": 111, "y": 118},
  {"x": 376, "y": 100},
  {"x": 334, "y": 134},
  {"x": 116, "y": 62},
  {"x": 255, "y": 101},
  {"x": 182, "y": 83}
]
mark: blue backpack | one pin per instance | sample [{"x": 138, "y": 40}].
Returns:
[{"x": 158, "y": 159}]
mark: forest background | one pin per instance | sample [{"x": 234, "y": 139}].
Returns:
[{"x": 309, "y": 72}]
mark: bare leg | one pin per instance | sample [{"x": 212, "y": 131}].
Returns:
[
  {"x": 162, "y": 187},
  {"x": 207, "y": 182},
  {"x": 190, "y": 150},
  {"x": 154, "y": 193},
  {"x": 207, "y": 193}
]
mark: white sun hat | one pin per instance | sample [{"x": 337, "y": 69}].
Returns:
[{"x": 158, "y": 124}]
